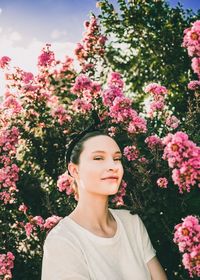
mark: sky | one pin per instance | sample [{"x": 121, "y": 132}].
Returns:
[{"x": 27, "y": 25}]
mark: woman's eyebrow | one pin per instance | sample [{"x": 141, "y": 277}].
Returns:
[{"x": 117, "y": 152}]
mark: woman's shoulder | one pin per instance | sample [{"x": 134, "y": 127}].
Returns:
[
  {"x": 62, "y": 231},
  {"x": 125, "y": 216}
]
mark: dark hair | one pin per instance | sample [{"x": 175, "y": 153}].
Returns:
[{"x": 78, "y": 148}]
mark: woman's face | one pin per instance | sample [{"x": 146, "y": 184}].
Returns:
[{"x": 100, "y": 170}]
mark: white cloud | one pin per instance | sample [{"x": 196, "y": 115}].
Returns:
[
  {"x": 15, "y": 36},
  {"x": 25, "y": 57},
  {"x": 55, "y": 34}
]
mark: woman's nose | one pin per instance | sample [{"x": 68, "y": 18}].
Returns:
[{"x": 112, "y": 165}]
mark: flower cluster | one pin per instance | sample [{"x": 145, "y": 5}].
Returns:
[
  {"x": 9, "y": 171},
  {"x": 118, "y": 198},
  {"x": 194, "y": 85},
  {"x": 93, "y": 43},
  {"x": 120, "y": 106},
  {"x": 162, "y": 182},
  {"x": 46, "y": 58},
  {"x": 154, "y": 142},
  {"x": 196, "y": 65},
  {"x": 172, "y": 121},
  {"x": 4, "y": 61},
  {"x": 131, "y": 152},
  {"x": 64, "y": 183},
  {"x": 157, "y": 93},
  {"x": 191, "y": 41},
  {"x": 86, "y": 90},
  {"x": 61, "y": 114},
  {"x": 6, "y": 264},
  {"x": 183, "y": 156},
  {"x": 38, "y": 222},
  {"x": 187, "y": 237}
]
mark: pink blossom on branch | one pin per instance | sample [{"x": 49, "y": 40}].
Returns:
[
  {"x": 4, "y": 61},
  {"x": 23, "y": 208},
  {"x": 162, "y": 182},
  {"x": 115, "y": 80},
  {"x": 154, "y": 142},
  {"x": 6, "y": 264},
  {"x": 118, "y": 198},
  {"x": 64, "y": 183},
  {"x": 191, "y": 39},
  {"x": 194, "y": 85},
  {"x": 172, "y": 121},
  {"x": 109, "y": 95},
  {"x": 155, "y": 89},
  {"x": 51, "y": 222},
  {"x": 131, "y": 152},
  {"x": 187, "y": 237},
  {"x": 183, "y": 156},
  {"x": 196, "y": 65},
  {"x": 46, "y": 58}
]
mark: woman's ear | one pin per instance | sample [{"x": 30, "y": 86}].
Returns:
[{"x": 73, "y": 170}]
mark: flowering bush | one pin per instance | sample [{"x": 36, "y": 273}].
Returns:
[
  {"x": 187, "y": 237},
  {"x": 41, "y": 113},
  {"x": 6, "y": 264}
]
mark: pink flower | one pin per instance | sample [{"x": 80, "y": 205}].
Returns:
[
  {"x": 61, "y": 114},
  {"x": 194, "y": 85},
  {"x": 154, "y": 142},
  {"x": 82, "y": 83},
  {"x": 184, "y": 156},
  {"x": 6, "y": 264},
  {"x": 46, "y": 58},
  {"x": 187, "y": 237},
  {"x": 196, "y": 65},
  {"x": 81, "y": 105},
  {"x": 192, "y": 38},
  {"x": 187, "y": 233},
  {"x": 80, "y": 52},
  {"x": 137, "y": 124},
  {"x": 112, "y": 131},
  {"x": 118, "y": 199},
  {"x": 38, "y": 220},
  {"x": 121, "y": 108},
  {"x": 51, "y": 221},
  {"x": 162, "y": 182},
  {"x": 28, "y": 228},
  {"x": 23, "y": 208},
  {"x": 4, "y": 61},
  {"x": 115, "y": 80},
  {"x": 27, "y": 77},
  {"x": 64, "y": 183},
  {"x": 131, "y": 152},
  {"x": 109, "y": 95},
  {"x": 172, "y": 122},
  {"x": 155, "y": 89},
  {"x": 11, "y": 106},
  {"x": 191, "y": 262}
]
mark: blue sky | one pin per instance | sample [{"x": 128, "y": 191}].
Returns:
[
  {"x": 26, "y": 25},
  {"x": 49, "y": 20}
]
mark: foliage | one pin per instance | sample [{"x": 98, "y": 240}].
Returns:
[{"x": 145, "y": 39}]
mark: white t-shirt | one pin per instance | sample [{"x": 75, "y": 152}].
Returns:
[{"x": 72, "y": 252}]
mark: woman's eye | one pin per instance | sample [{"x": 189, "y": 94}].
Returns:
[
  {"x": 118, "y": 159},
  {"x": 98, "y": 158}
]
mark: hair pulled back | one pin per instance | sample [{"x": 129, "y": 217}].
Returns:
[{"x": 78, "y": 148}]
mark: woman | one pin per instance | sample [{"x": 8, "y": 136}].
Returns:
[{"x": 94, "y": 241}]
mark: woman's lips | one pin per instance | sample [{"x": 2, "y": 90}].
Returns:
[{"x": 110, "y": 178}]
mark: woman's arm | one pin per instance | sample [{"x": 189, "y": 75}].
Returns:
[{"x": 156, "y": 270}]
